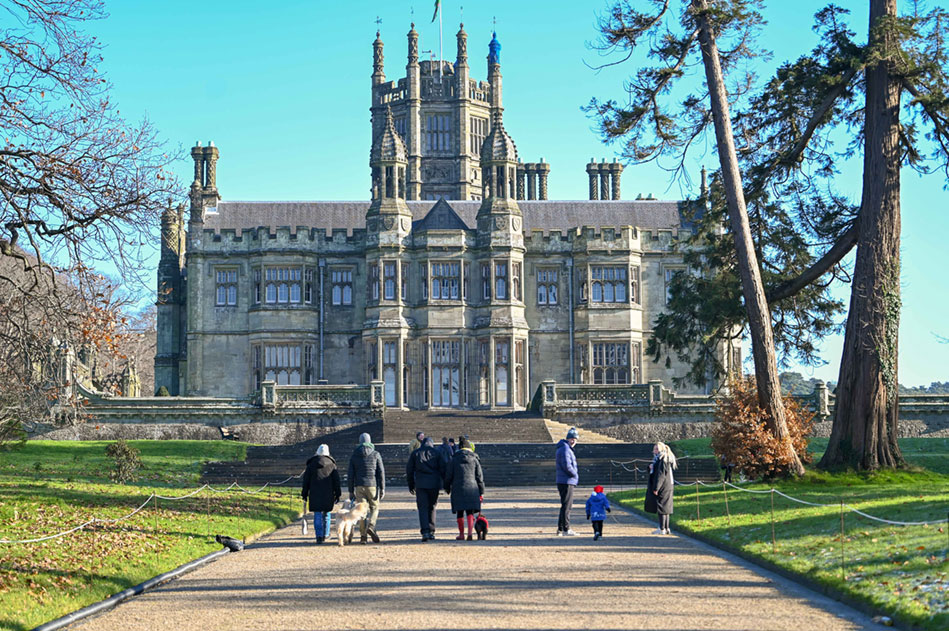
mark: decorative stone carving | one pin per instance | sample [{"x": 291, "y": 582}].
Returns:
[
  {"x": 516, "y": 224},
  {"x": 437, "y": 172},
  {"x": 405, "y": 224},
  {"x": 500, "y": 222},
  {"x": 388, "y": 223}
]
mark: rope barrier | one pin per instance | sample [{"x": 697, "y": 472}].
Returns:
[
  {"x": 772, "y": 490},
  {"x": 153, "y": 496}
]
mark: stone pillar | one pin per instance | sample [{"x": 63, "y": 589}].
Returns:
[
  {"x": 593, "y": 173},
  {"x": 616, "y": 172},
  {"x": 822, "y": 400},
  {"x": 531, "y": 181},
  {"x": 603, "y": 170},
  {"x": 197, "y": 154},
  {"x": 520, "y": 180},
  {"x": 543, "y": 170},
  {"x": 210, "y": 169}
]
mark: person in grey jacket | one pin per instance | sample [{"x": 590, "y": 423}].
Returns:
[
  {"x": 567, "y": 478},
  {"x": 424, "y": 474},
  {"x": 367, "y": 481},
  {"x": 465, "y": 482}
]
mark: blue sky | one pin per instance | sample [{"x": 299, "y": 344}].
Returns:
[{"x": 282, "y": 89}]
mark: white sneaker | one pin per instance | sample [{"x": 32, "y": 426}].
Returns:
[
  {"x": 569, "y": 533},
  {"x": 658, "y": 531},
  {"x": 667, "y": 532},
  {"x": 560, "y": 533}
]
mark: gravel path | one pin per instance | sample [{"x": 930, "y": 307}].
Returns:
[{"x": 522, "y": 577}]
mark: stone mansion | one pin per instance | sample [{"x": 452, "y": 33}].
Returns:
[{"x": 458, "y": 284}]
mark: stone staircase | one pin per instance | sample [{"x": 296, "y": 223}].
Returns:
[
  {"x": 400, "y": 426},
  {"x": 559, "y": 430},
  {"x": 504, "y": 462}
]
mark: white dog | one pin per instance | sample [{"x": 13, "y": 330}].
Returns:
[{"x": 347, "y": 518}]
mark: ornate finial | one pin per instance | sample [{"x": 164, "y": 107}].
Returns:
[
  {"x": 378, "y": 25},
  {"x": 413, "y": 45}
]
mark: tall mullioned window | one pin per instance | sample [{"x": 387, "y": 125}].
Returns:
[
  {"x": 283, "y": 285},
  {"x": 390, "y": 278},
  {"x": 438, "y": 132},
  {"x": 546, "y": 286},
  {"x": 446, "y": 280},
  {"x": 225, "y": 287},
  {"x": 500, "y": 280},
  {"x": 670, "y": 273},
  {"x": 341, "y": 286},
  {"x": 372, "y": 287},
  {"x": 607, "y": 284},
  {"x": 284, "y": 364},
  {"x": 610, "y": 363},
  {"x": 478, "y": 131},
  {"x": 446, "y": 373}
]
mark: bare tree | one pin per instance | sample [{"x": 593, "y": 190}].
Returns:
[{"x": 81, "y": 188}]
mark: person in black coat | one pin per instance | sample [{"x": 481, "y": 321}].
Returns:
[
  {"x": 321, "y": 490},
  {"x": 464, "y": 481},
  {"x": 424, "y": 474},
  {"x": 659, "y": 489}
]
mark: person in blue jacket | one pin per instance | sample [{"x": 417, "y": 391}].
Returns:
[
  {"x": 567, "y": 479},
  {"x": 598, "y": 505}
]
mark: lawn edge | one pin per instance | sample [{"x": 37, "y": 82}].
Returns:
[
  {"x": 118, "y": 598},
  {"x": 899, "y": 622}
]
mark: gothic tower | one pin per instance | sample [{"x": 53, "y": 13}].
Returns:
[
  {"x": 500, "y": 243},
  {"x": 442, "y": 114},
  {"x": 388, "y": 230}
]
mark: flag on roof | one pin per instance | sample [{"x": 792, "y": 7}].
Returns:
[{"x": 438, "y": 6}]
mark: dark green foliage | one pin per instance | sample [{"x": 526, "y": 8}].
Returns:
[
  {"x": 936, "y": 387},
  {"x": 795, "y": 383},
  {"x": 126, "y": 461},
  {"x": 790, "y": 136}
]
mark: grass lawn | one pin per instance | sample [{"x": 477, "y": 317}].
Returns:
[
  {"x": 50, "y": 486},
  {"x": 901, "y": 571}
]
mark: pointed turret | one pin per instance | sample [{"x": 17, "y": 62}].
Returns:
[
  {"x": 389, "y": 158},
  {"x": 499, "y": 175}
]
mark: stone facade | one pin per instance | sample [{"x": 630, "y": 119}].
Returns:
[{"x": 470, "y": 301}]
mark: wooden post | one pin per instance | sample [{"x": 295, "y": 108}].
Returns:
[
  {"x": 156, "y": 526},
  {"x": 843, "y": 575},
  {"x": 774, "y": 545},
  {"x": 698, "y": 511},
  {"x": 207, "y": 514},
  {"x": 727, "y": 514}
]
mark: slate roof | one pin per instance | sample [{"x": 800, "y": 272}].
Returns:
[{"x": 544, "y": 215}]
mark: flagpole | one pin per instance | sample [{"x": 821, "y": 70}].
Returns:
[{"x": 439, "y": 39}]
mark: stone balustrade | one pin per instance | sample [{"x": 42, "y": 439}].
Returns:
[{"x": 276, "y": 398}]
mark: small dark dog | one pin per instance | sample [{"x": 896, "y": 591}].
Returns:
[{"x": 481, "y": 527}]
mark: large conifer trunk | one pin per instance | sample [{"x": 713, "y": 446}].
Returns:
[
  {"x": 865, "y": 419},
  {"x": 756, "y": 305}
]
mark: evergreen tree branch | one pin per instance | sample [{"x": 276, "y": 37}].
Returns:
[{"x": 832, "y": 257}]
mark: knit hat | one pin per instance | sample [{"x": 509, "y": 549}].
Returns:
[
  {"x": 364, "y": 438},
  {"x": 597, "y": 489},
  {"x": 572, "y": 433},
  {"x": 323, "y": 450}
]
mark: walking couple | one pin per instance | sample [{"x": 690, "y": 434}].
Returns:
[
  {"x": 322, "y": 490},
  {"x": 430, "y": 469}
]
